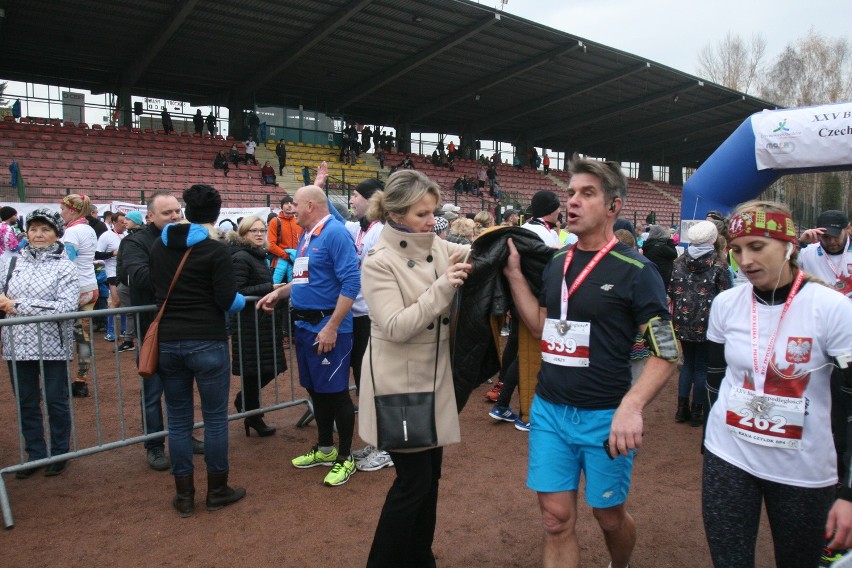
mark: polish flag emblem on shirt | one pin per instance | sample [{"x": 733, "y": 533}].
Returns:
[{"x": 799, "y": 349}]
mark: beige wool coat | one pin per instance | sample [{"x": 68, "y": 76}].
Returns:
[{"x": 409, "y": 298}]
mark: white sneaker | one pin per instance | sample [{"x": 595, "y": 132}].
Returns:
[
  {"x": 363, "y": 452},
  {"x": 374, "y": 462}
]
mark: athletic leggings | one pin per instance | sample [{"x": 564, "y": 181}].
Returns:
[
  {"x": 731, "y": 501},
  {"x": 331, "y": 408}
]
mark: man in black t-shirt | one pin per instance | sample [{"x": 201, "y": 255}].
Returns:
[{"x": 586, "y": 418}]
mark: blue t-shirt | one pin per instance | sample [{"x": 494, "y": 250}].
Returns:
[
  {"x": 333, "y": 271},
  {"x": 621, "y": 293}
]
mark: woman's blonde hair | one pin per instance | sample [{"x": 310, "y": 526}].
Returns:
[
  {"x": 246, "y": 223},
  {"x": 80, "y": 204},
  {"x": 463, "y": 227},
  {"x": 482, "y": 221},
  {"x": 402, "y": 190}
]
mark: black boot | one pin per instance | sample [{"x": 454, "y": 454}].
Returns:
[
  {"x": 682, "y": 414},
  {"x": 184, "y": 500},
  {"x": 219, "y": 494},
  {"x": 697, "y": 415},
  {"x": 238, "y": 401},
  {"x": 259, "y": 425}
]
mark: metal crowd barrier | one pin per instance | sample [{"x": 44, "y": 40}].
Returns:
[{"x": 88, "y": 432}]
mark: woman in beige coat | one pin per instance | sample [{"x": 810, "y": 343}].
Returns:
[{"x": 409, "y": 280}]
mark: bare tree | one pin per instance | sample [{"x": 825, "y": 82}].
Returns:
[
  {"x": 810, "y": 71},
  {"x": 3, "y": 90},
  {"x": 733, "y": 62}
]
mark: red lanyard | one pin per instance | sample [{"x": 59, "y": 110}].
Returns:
[
  {"x": 569, "y": 256},
  {"x": 760, "y": 371},
  {"x": 310, "y": 233},
  {"x": 838, "y": 272},
  {"x": 361, "y": 235}
]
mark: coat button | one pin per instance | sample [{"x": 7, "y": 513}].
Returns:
[
  {"x": 445, "y": 321},
  {"x": 403, "y": 244},
  {"x": 410, "y": 264},
  {"x": 429, "y": 258},
  {"x": 430, "y": 326}
]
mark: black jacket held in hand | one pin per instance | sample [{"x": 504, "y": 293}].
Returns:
[
  {"x": 205, "y": 289},
  {"x": 253, "y": 278},
  {"x": 133, "y": 270},
  {"x": 486, "y": 294}
]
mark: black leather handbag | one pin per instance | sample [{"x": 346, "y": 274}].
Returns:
[{"x": 406, "y": 421}]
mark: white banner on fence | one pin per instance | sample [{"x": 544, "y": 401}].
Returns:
[{"x": 808, "y": 137}]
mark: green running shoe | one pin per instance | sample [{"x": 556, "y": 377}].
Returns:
[
  {"x": 340, "y": 473},
  {"x": 314, "y": 457}
]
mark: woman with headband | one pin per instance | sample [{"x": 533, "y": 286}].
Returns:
[{"x": 773, "y": 344}]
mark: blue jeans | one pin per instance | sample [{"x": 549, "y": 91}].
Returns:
[
  {"x": 58, "y": 408},
  {"x": 693, "y": 375},
  {"x": 209, "y": 363},
  {"x": 152, "y": 409}
]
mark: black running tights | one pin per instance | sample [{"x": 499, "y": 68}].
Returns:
[{"x": 331, "y": 408}]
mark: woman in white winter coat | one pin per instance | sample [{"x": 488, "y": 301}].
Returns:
[{"x": 42, "y": 281}]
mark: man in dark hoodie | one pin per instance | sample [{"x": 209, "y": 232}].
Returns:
[
  {"x": 193, "y": 344},
  {"x": 660, "y": 249},
  {"x": 134, "y": 272}
]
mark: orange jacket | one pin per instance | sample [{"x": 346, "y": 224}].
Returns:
[{"x": 283, "y": 233}]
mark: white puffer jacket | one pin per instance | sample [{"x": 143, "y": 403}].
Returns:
[{"x": 43, "y": 282}]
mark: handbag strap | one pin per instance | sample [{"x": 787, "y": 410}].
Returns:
[
  {"x": 437, "y": 348},
  {"x": 171, "y": 286},
  {"x": 12, "y": 262}
]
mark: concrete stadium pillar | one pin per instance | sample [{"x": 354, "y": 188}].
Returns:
[
  {"x": 403, "y": 137},
  {"x": 646, "y": 172},
  {"x": 236, "y": 118},
  {"x": 125, "y": 107},
  {"x": 675, "y": 173},
  {"x": 467, "y": 144}
]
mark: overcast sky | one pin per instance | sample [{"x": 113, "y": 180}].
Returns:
[{"x": 672, "y": 32}]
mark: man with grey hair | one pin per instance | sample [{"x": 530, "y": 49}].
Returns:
[
  {"x": 594, "y": 296},
  {"x": 326, "y": 281}
]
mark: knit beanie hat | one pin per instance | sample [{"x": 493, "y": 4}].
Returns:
[
  {"x": 7, "y": 213},
  {"x": 441, "y": 225},
  {"x": 703, "y": 233},
  {"x": 203, "y": 204},
  {"x": 543, "y": 203},
  {"x": 136, "y": 217},
  {"x": 52, "y": 218},
  {"x": 658, "y": 232},
  {"x": 368, "y": 187}
]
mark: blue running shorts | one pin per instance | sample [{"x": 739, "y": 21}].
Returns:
[
  {"x": 566, "y": 441},
  {"x": 326, "y": 373}
]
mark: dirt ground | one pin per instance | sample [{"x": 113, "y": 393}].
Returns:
[{"x": 110, "y": 509}]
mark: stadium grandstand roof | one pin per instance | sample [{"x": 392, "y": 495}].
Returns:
[{"x": 448, "y": 66}]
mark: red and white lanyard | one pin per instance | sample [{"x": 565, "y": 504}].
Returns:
[
  {"x": 838, "y": 272},
  {"x": 309, "y": 234},
  {"x": 569, "y": 256},
  {"x": 760, "y": 370},
  {"x": 361, "y": 235}
]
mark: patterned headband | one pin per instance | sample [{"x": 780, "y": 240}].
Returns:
[{"x": 763, "y": 224}]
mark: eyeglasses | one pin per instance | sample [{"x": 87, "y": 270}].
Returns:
[{"x": 257, "y": 231}]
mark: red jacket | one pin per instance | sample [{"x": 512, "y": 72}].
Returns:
[{"x": 283, "y": 233}]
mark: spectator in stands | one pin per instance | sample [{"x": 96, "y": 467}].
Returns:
[
  {"x": 253, "y": 124},
  {"x": 409, "y": 311},
  {"x": 544, "y": 210},
  {"x": 481, "y": 178},
  {"x": 198, "y": 122},
  {"x": 451, "y": 151},
  {"x": 80, "y": 243},
  {"x": 516, "y": 163},
  {"x": 407, "y": 163},
  {"x": 251, "y": 146},
  {"x": 220, "y": 162},
  {"x": 532, "y": 156},
  {"x": 193, "y": 344},
  {"x": 435, "y": 159},
  {"x": 234, "y": 156},
  {"x": 107, "y": 251},
  {"x": 322, "y": 302},
  {"x": 660, "y": 249},
  {"x": 135, "y": 252},
  {"x": 211, "y": 123},
  {"x": 167, "y": 121},
  {"x": 8, "y": 224},
  {"x": 366, "y": 135},
  {"x": 281, "y": 152},
  {"x": 43, "y": 282},
  {"x": 391, "y": 142},
  {"x": 95, "y": 223},
  {"x": 545, "y": 162},
  {"x": 380, "y": 156},
  {"x": 510, "y": 218},
  {"x": 267, "y": 174},
  {"x": 253, "y": 278}
]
